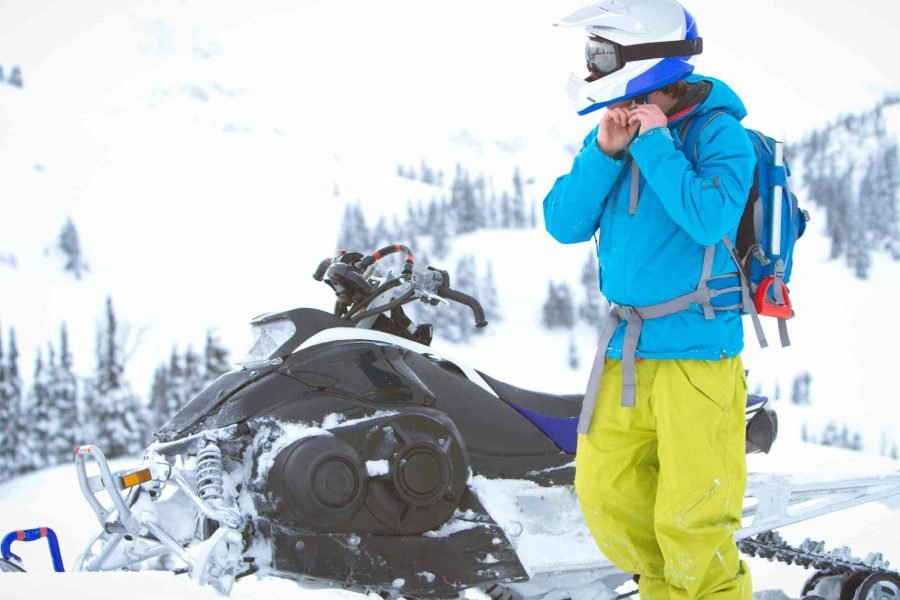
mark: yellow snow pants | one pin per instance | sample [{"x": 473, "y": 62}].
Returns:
[{"x": 662, "y": 484}]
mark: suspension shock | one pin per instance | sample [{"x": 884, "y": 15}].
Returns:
[{"x": 210, "y": 474}]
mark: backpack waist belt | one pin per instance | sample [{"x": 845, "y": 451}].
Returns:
[{"x": 635, "y": 316}]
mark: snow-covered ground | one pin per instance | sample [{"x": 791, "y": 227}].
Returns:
[{"x": 51, "y": 498}]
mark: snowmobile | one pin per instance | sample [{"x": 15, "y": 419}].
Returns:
[{"x": 347, "y": 452}]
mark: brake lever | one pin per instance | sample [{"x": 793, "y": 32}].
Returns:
[{"x": 433, "y": 299}]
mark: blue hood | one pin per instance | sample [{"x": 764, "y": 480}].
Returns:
[{"x": 721, "y": 99}]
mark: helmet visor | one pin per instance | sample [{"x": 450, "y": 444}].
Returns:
[{"x": 602, "y": 57}]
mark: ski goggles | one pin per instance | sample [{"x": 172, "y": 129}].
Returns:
[{"x": 604, "y": 56}]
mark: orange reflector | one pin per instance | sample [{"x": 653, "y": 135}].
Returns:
[{"x": 136, "y": 478}]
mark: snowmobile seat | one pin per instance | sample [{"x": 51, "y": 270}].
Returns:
[
  {"x": 555, "y": 415},
  {"x": 551, "y": 405}
]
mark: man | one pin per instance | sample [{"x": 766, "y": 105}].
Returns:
[{"x": 660, "y": 468}]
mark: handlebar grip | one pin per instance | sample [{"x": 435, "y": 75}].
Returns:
[
  {"x": 477, "y": 310},
  {"x": 319, "y": 275}
]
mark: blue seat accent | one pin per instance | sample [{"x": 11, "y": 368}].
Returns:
[
  {"x": 562, "y": 430},
  {"x": 754, "y": 399}
]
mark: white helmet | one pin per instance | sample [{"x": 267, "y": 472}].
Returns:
[{"x": 634, "y": 48}]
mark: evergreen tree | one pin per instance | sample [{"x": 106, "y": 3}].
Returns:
[
  {"x": 7, "y": 421},
  {"x": 160, "y": 412},
  {"x": 573, "y": 355},
  {"x": 558, "y": 311},
  {"x": 381, "y": 236},
  {"x": 64, "y": 405},
  {"x": 118, "y": 417},
  {"x": 440, "y": 230},
  {"x": 15, "y": 77},
  {"x": 464, "y": 204},
  {"x": 69, "y": 244},
  {"x": 177, "y": 383},
  {"x": 594, "y": 309},
  {"x": 194, "y": 378},
  {"x": 800, "y": 390},
  {"x": 517, "y": 208},
  {"x": 36, "y": 421},
  {"x": 427, "y": 173},
  {"x": 354, "y": 233},
  {"x": 216, "y": 362},
  {"x": 16, "y": 402},
  {"x": 488, "y": 296}
]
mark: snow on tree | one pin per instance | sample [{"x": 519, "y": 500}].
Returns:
[
  {"x": 800, "y": 390},
  {"x": 427, "y": 174},
  {"x": 169, "y": 391},
  {"x": 117, "y": 415},
  {"x": 464, "y": 204},
  {"x": 595, "y": 308},
  {"x": 8, "y": 408},
  {"x": 440, "y": 230},
  {"x": 64, "y": 398},
  {"x": 15, "y": 77},
  {"x": 216, "y": 362},
  {"x": 68, "y": 243},
  {"x": 381, "y": 236},
  {"x": 558, "y": 311},
  {"x": 851, "y": 169},
  {"x": 17, "y": 459},
  {"x": 194, "y": 377},
  {"x": 354, "y": 233},
  {"x": 487, "y": 295},
  {"x": 573, "y": 355},
  {"x": 37, "y": 423},
  {"x": 505, "y": 211}
]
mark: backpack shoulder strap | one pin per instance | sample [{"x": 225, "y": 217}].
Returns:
[{"x": 687, "y": 131}]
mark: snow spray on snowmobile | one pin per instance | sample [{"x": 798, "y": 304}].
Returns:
[{"x": 346, "y": 452}]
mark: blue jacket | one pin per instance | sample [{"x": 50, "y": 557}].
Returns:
[{"x": 656, "y": 254}]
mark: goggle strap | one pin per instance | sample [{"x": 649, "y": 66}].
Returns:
[{"x": 661, "y": 50}]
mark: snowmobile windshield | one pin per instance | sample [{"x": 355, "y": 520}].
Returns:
[{"x": 267, "y": 338}]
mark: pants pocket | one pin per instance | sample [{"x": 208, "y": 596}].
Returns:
[{"x": 713, "y": 380}]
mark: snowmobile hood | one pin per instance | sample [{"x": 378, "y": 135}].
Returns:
[{"x": 307, "y": 321}]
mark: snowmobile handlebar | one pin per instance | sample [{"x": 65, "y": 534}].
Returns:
[
  {"x": 477, "y": 310},
  {"x": 348, "y": 274},
  {"x": 445, "y": 291},
  {"x": 406, "y": 273}
]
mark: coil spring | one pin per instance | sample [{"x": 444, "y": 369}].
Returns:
[{"x": 210, "y": 474}]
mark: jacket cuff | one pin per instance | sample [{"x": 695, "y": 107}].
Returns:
[
  {"x": 654, "y": 143},
  {"x": 600, "y": 160}
]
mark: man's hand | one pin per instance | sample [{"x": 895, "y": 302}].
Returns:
[
  {"x": 648, "y": 116},
  {"x": 615, "y": 132}
]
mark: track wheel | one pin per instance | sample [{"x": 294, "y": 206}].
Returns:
[
  {"x": 811, "y": 583},
  {"x": 879, "y": 586}
]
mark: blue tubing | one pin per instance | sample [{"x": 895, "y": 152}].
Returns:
[{"x": 30, "y": 535}]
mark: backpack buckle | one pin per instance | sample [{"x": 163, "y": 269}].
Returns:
[
  {"x": 625, "y": 312},
  {"x": 767, "y": 309}
]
